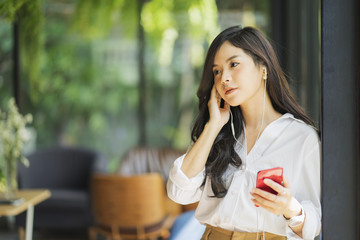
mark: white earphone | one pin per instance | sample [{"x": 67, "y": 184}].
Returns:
[
  {"x": 263, "y": 113},
  {"x": 265, "y": 75}
]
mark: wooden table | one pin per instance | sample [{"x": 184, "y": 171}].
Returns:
[{"x": 32, "y": 197}]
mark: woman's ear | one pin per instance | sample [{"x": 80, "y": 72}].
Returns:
[{"x": 264, "y": 73}]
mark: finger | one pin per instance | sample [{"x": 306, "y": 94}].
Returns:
[
  {"x": 286, "y": 182},
  {"x": 270, "y": 209},
  {"x": 274, "y": 185},
  {"x": 265, "y": 202},
  {"x": 213, "y": 92},
  {"x": 215, "y": 97},
  {"x": 264, "y": 194}
]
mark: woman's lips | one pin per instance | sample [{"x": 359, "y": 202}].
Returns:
[{"x": 229, "y": 91}]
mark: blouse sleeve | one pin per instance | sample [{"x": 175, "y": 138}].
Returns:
[
  {"x": 182, "y": 189},
  {"x": 308, "y": 189}
]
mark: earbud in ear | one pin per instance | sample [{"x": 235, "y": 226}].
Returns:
[{"x": 265, "y": 73}]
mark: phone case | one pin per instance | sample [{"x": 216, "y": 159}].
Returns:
[
  {"x": 275, "y": 174},
  {"x": 222, "y": 103}
]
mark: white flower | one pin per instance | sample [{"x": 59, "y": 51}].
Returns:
[
  {"x": 25, "y": 134},
  {"x": 25, "y": 161},
  {"x": 13, "y": 134}
]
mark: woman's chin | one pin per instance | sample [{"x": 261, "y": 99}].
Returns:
[{"x": 233, "y": 104}]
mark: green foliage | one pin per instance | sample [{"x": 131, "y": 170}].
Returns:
[
  {"x": 8, "y": 8},
  {"x": 5, "y": 62},
  {"x": 165, "y": 20},
  {"x": 81, "y": 99},
  {"x": 95, "y": 18},
  {"x": 29, "y": 17},
  {"x": 87, "y": 90},
  {"x": 31, "y": 20}
]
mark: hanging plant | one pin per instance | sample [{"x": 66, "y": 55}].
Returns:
[
  {"x": 95, "y": 18},
  {"x": 29, "y": 17},
  {"x": 31, "y": 21},
  {"x": 8, "y": 8}
]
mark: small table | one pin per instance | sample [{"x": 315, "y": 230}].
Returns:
[{"x": 32, "y": 197}]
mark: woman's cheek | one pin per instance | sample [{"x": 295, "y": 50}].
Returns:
[{"x": 219, "y": 89}]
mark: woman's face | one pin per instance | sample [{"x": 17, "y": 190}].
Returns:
[{"x": 236, "y": 77}]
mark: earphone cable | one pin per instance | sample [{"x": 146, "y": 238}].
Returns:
[{"x": 262, "y": 120}]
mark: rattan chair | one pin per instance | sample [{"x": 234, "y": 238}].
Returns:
[
  {"x": 140, "y": 160},
  {"x": 129, "y": 207}
]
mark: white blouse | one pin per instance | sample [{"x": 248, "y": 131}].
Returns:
[{"x": 286, "y": 142}]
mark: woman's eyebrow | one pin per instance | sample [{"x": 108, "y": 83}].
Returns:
[
  {"x": 232, "y": 57},
  {"x": 227, "y": 60}
]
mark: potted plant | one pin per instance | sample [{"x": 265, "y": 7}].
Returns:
[{"x": 13, "y": 135}]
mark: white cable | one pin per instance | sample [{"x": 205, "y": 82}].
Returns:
[
  {"x": 257, "y": 224},
  {"x": 232, "y": 127},
  {"x": 264, "y": 227},
  {"x": 233, "y": 133},
  {"x": 263, "y": 114},
  {"x": 262, "y": 120}
]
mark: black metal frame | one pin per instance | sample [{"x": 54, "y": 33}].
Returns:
[
  {"x": 16, "y": 66},
  {"x": 340, "y": 100},
  {"x": 340, "y": 119}
]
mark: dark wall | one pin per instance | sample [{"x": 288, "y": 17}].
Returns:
[
  {"x": 296, "y": 30},
  {"x": 340, "y": 118}
]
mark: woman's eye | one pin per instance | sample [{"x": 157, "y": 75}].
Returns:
[
  {"x": 234, "y": 64},
  {"x": 216, "y": 72}
]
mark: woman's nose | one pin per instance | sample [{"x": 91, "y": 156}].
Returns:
[{"x": 225, "y": 77}]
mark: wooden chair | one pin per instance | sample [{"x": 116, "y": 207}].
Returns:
[
  {"x": 129, "y": 207},
  {"x": 140, "y": 160}
]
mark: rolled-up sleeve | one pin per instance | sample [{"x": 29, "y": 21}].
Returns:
[
  {"x": 182, "y": 189},
  {"x": 309, "y": 190}
]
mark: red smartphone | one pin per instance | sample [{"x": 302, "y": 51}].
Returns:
[
  {"x": 222, "y": 103},
  {"x": 275, "y": 174}
]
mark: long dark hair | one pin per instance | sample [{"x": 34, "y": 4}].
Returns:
[{"x": 222, "y": 153}]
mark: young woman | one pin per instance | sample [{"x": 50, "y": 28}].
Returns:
[{"x": 249, "y": 121}]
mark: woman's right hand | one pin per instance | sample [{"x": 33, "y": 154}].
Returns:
[
  {"x": 195, "y": 160},
  {"x": 218, "y": 116}
]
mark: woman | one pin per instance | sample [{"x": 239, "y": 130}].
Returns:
[{"x": 260, "y": 126}]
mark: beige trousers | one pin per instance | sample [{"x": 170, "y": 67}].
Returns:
[{"x": 215, "y": 233}]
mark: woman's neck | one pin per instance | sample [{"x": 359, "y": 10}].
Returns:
[{"x": 253, "y": 113}]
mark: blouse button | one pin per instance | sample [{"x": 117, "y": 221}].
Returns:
[
  {"x": 233, "y": 192},
  {"x": 227, "y": 219}
]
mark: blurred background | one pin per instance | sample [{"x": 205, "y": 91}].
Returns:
[{"x": 112, "y": 75}]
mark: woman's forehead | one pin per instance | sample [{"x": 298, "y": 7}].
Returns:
[{"x": 227, "y": 52}]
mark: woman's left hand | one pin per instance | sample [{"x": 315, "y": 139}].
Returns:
[{"x": 282, "y": 203}]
